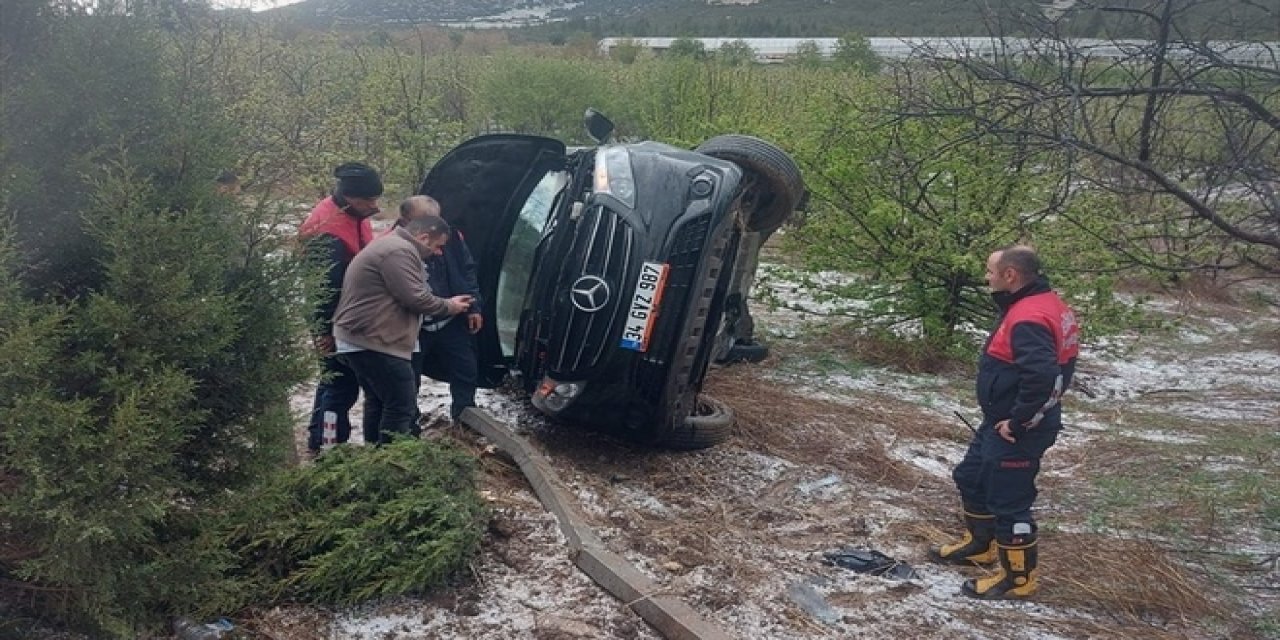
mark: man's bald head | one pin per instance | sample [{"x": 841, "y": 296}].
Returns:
[
  {"x": 418, "y": 207},
  {"x": 1022, "y": 259},
  {"x": 1012, "y": 268}
]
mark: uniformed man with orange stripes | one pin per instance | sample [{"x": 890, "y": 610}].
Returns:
[{"x": 1026, "y": 365}]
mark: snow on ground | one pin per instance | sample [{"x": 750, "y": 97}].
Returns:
[
  {"x": 530, "y": 591},
  {"x": 934, "y": 458},
  {"x": 738, "y": 531}
]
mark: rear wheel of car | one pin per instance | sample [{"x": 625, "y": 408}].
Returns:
[
  {"x": 779, "y": 186},
  {"x": 710, "y": 424}
]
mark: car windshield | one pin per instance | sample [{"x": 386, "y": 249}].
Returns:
[{"x": 513, "y": 279}]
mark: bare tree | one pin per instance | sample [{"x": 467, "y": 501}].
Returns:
[{"x": 1181, "y": 133}]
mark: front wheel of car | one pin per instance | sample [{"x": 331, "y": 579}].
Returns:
[
  {"x": 779, "y": 185},
  {"x": 711, "y": 423}
]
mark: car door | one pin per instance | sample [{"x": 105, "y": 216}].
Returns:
[{"x": 489, "y": 188}]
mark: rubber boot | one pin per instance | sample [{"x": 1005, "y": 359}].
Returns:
[
  {"x": 976, "y": 546},
  {"x": 1014, "y": 580}
]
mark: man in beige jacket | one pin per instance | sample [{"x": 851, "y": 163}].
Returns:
[{"x": 384, "y": 296}]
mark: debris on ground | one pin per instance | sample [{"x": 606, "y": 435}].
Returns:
[{"x": 870, "y": 562}]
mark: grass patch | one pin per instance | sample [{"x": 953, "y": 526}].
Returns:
[
  {"x": 1130, "y": 580},
  {"x": 893, "y": 351},
  {"x": 1202, "y": 490},
  {"x": 848, "y": 349}
]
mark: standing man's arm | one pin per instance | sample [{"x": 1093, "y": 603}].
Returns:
[
  {"x": 1035, "y": 355},
  {"x": 406, "y": 282},
  {"x": 330, "y": 252}
]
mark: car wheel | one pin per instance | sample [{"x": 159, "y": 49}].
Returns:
[
  {"x": 710, "y": 424},
  {"x": 782, "y": 186}
]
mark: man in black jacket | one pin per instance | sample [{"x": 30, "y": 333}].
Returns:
[
  {"x": 1026, "y": 365},
  {"x": 447, "y": 347}
]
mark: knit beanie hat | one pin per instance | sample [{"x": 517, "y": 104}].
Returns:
[{"x": 358, "y": 180}]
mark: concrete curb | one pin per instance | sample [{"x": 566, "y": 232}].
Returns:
[{"x": 674, "y": 619}]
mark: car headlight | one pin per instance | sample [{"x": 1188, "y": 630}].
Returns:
[
  {"x": 553, "y": 396},
  {"x": 613, "y": 175}
]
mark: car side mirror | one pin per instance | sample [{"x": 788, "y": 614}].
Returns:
[{"x": 598, "y": 126}]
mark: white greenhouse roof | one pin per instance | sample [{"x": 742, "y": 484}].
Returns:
[{"x": 1266, "y": 54}]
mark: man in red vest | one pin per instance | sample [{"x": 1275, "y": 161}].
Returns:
[
  {"x": 335, "y": 231},
  {"x": 1026, "y": 365}
]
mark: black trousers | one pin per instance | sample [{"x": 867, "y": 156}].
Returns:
[
  {"x": 449, "y": 354},
  {"x": 337, "y": 392},
  {"x": 390, "y": 399},
  {"x": 998, "y": 477}
]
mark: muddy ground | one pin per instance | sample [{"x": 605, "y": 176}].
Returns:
[{"x": 1159, "y": 505}]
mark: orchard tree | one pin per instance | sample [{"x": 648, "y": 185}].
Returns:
[
  {"x": 626, "y": 50},
  {"x": 542, "y": 95},
  {"x": 404, "y": 107},
  {"x": 808, "y": 55},
  {"x": 853, "y": 52},
  {"x": 911, "y": 217},
  {"x": 735, "y": 53},
  {"x": 1180, "y": 132},
  {"x": 687, "y": 48}
]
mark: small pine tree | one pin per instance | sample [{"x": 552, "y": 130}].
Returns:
[{"x": 165, "y": 391}]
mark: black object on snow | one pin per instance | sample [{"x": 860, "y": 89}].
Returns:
[{"x": 870, "y": 562}]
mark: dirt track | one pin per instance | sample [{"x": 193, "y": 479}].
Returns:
[{"x": 856, "y": 456}]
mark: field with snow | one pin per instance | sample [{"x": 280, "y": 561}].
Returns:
[{"x": 1159, "y": 505}]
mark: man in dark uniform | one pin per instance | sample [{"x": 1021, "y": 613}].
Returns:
[
  {"x": 447, "y": 348},
  {"x": 1025, "y": 367},
  {"x": 335, "y": 231}
]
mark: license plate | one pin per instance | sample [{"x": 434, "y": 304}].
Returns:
[{"x": 644, "y": 306}]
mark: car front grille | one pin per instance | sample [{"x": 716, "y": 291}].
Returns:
[
  {"x": 603, "y": 246},
  {"x": 683, "y": 261}
]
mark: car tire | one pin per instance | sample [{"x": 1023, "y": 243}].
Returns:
[
  {"x": 711, "y": 423},
  {"x": 783, "y": 187}
]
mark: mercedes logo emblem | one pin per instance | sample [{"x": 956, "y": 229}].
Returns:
[{"x": 589, "y": 294}]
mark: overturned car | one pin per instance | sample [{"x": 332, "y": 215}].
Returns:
[{"x": 613, "y": 276}]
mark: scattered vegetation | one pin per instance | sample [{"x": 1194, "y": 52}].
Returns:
[{"x": 362, "y": 523}]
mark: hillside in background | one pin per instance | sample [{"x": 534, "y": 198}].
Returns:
[{"x": 554, "y": 19}]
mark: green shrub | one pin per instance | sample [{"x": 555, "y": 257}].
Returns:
[
  {"x": 126, "y": 420},
  {"x": 361, "y": 523},
  {"x": 148, "y": 343}
]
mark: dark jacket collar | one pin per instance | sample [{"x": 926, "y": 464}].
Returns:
[{"x": 1005, "y": 299}]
